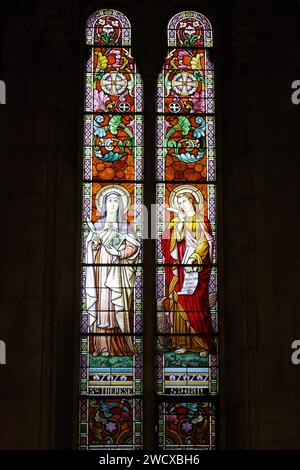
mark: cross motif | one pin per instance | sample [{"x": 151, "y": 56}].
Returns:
[
  {"x": 113, "y": 83},
  {"x": 174, "y": 107},
  {"x": 124, "y": 107},
  {"x": 184, "y": 84}
]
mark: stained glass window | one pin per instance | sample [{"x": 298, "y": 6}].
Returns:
[
  {"x": 186, "y": 359},
  {"x": 110, "y": 402}
]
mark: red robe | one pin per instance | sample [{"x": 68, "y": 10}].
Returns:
[{"x": 195, "y": 305}]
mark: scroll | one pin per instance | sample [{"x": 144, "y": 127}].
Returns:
[{"x": 190, "y": 281}]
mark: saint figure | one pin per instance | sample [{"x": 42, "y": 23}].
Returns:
[
  {"x": 187, "y": 247},
  {"x": 112, "y": 248}
]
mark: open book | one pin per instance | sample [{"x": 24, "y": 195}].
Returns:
[
  {"x": 111, "y": 239},
  {"x": 114, "y": 239}
]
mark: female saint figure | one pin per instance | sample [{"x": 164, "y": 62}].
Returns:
[
  {"x": 187, "y": 247},
  {"x": 112, "y": 248}
]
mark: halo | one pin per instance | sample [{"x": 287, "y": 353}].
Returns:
[
  {"x": 116, "y": 189},
  {"x": 186, "y": 188}
]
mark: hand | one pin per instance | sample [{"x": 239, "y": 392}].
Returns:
[
  {"x": 96, "y": 240},
  {"x": 113, "y": 251},
  {"x": 181, "y": 216},
  {"x": 189, "y": 269}
]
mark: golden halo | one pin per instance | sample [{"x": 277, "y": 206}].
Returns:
[
  {"x": 116, "y": 189},
  {"x": 186, "y": 188}
]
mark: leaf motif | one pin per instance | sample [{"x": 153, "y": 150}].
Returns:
[
  {"x": 198, "y": 133},
  {"x": 99, "y": 130},
  {"x": 127, "y": 143},
  {"x": 196, "y": 62},
  {"x": 125, "y": 62},
  {"x": 130, "y": 85},
  {"x": 102, "y": 61},
  {"x": 185, "y": 125},
  {"x": 114, "y": 124},
  {"x": 109, "y": 157},
  {"x": 188, "y": 157},
  {"x": 198, "y": 76},
  {"x": 172, "y": 62},
  {"x": 167, "y": 84},
  {"x": 200, "y": 130},
  {"x": 194, "y": 38},
  {"x": 104, "y": 37},
  {"x": 172, "y": 143},
  {"x": 98, "y": 75}
]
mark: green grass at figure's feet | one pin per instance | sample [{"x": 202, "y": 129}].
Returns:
[
  {"x": 110, "y": 361},
  {"x": 189, "y": 359}
]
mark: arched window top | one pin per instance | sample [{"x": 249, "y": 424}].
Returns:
[
  {"x": 113, "y": 82},
  {"x": 108, "y": 28},
  {"x": 189, "y": 29},
  {"x": 111, "y": 317},
  {"x": 187, "y": 310}
]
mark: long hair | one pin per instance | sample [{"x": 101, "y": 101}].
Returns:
[
  {"x": 190, "y": 197},
  {"x": 123, "y": 225}
]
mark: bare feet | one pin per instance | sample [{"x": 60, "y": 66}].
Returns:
[
  {"x": 103, "y": 353},
  {"x": 203, "y": 353},
  {"x": 180, "y": 351}
]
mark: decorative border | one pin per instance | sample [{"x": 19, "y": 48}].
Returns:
[
  {"x": 208, "y": 37},
  {"x": 163, "y": 445},
  {"x": 126, "y": 28},
  {"x": 137, "y": 426},
  {"x": 124, "y": 42}
]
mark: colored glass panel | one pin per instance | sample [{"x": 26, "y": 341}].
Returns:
[
  {"x": 111, "y": 315},
  {"x": 186, "y": 277},
  {"x": 113, "y": 147},
  {"x": 108, "y": 28},
  {"x": 187, "y": 84},
  {"x": 116, "y": 374},
  {"x": 187, "y": 425},
  {"x": 186, "y": 149},
  {"x": 110, "y": 423}
]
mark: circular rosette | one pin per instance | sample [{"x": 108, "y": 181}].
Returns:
[
  {"x": 113, "y": 83},
  {"x": 184, "y": 83}
]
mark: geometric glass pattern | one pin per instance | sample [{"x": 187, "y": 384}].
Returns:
[
  {"x": 187, "y": 425},
  {"x": 110, "y": 413},
  {"x": 186, "y": 264}
]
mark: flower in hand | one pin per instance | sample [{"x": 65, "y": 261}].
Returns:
[{"x": 96, "y": 240}]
